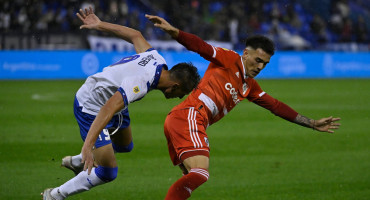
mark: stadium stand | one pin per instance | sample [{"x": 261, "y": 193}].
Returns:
[{"x": 334, "y": 25}]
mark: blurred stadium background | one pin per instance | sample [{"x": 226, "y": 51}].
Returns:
[
  {"x": 339, "y": 25},
  {"x": 322, "y": 67}
]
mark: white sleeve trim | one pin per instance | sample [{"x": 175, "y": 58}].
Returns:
[
  {"x": 261, "y": 94},
  {"x": 214, "y": 52}
]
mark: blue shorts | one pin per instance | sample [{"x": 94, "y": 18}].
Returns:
[{"x": 85, "y": 120}]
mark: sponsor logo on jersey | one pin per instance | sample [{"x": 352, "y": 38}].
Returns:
[
  {"x": 136, "y": 89},
  {"x": 234, "y": 94}
]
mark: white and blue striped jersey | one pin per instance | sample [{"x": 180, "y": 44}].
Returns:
[{"x": 132, "y": 76}]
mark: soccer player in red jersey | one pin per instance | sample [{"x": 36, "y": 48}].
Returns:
[{"x": 228, "y": 80}]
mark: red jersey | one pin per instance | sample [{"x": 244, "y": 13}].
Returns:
[{"x": 225, "y": 84}]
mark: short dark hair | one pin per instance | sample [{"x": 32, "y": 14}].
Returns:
[
  {"x": 187, "y": 75},
  {"x": 260, "y": 41}
]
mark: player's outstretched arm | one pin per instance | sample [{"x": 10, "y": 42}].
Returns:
[
  {"x": 91, "y": 21},
  {"x": 282, "y": 110},
  {"x": 328, "y": 124},
  {"x": 164, "y": 25}
]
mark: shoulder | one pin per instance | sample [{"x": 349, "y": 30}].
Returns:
[
  {"x": 222, "y": 50},
  {"x": 156, "y": 55},
  {"x": 226, "y": 55}
]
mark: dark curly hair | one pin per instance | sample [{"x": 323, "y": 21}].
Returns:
[
  {"x": 187, "y": 75},
  {"x": 259, "y": 41}
]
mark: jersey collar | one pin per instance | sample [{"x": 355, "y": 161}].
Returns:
[
  {"x": 157, "y": 75},
  {"x": 245, "y": 75}
]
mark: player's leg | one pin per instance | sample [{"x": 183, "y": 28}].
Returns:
[
  {"x": 106, "y": 169},
  {"x": 197, "y": 166},
  {"x": 183, "y": 169},
  {"x": 122, "y": 137},
  {"x": 105, "y": 172},
  {"x": 84, "y": 122},
  {"x": 122, "y": 140},
  {"x": 196, "y": 161},
  {"x": 73, "y": 163},
  {"x": 188, "y": 147}
]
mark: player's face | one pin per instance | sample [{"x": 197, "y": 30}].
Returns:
[{"x": 254, "y": 61}]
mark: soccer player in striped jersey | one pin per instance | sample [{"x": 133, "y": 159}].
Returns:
[
  {"x": 100, "y": 106},
  {"x": 228, "y": 80}
]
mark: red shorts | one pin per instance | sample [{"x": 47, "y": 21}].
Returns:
[{"x": 185, "y": 130}]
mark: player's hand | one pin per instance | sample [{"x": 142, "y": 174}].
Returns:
[
  {"x": 87, "y": 158},
  {"x": 90, "y": 20},
  {"x": 163, "y": 24},
  {"x": 327, "y": 124}
]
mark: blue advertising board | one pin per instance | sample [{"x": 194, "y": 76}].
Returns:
[{"x": 80, "y": 64}]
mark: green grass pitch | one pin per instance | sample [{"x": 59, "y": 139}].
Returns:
[{"x": 254, "y": 155}]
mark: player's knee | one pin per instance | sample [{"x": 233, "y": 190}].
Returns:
[
  {"x": 106, "y": 174},
  {"x": 123, "y": 149}
]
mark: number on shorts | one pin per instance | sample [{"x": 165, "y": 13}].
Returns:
[{"x": 106, "y": 133}]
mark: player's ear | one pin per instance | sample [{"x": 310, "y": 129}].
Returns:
[
  {"x": 175, "y": 86},
  {"x": 245, "y": 51}
]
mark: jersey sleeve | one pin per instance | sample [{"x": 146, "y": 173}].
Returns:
[
  {"x": 133, "y": 89},
  {"x": 259, "y": 97},
  {"x": 256, "y": 91},
  {"x": 216, "y": 55}
]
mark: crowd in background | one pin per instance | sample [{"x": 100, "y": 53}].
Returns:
[{"x": 292, "y": 24}]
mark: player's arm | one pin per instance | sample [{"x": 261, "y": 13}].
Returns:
[
  {"x": 189, "y": 41},
  {"x": 284, "y": 111},
  {"x": 257, "y": 96},
  {"x": 91, "y": 21},
  {"x": 113, "y": 105},
  {"x": 326, "y": 124}
]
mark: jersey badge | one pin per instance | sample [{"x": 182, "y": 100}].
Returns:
[{"x": 136, "y": 89}]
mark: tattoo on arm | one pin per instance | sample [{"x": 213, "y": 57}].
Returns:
[{"x": 304, "y": 121}]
